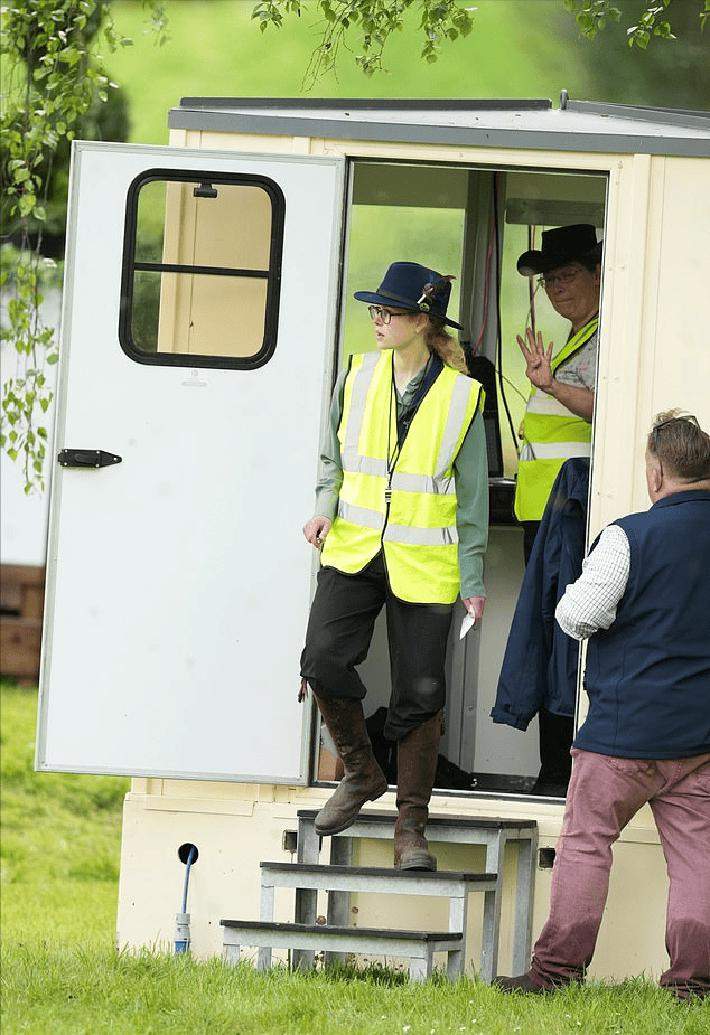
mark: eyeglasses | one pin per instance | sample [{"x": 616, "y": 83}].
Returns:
[
  {"x": 671, "y": 420},
  {"x": 384, "y": 315},
  {"x": 548, "y": 281}
]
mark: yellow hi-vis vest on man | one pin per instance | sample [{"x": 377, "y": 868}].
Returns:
[
  {"x": 552, "y": 434},
  {"x": 407, "y": 508}
]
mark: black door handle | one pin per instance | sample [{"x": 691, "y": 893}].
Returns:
[{"x": 87, "y": 458}]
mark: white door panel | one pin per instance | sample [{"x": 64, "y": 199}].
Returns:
[{"x": 179, "y": 579}]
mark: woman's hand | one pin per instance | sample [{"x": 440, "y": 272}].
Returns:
[
  {"x": 538, "y": 360},
  {"x": 475, "y": 606},
  {"x": 316, "y": 530}
]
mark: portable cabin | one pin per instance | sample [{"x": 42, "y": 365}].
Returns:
[{"x": 207, "y": 310}]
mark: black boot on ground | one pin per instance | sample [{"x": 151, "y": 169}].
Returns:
[
  {"x": 523, "y": 985},
  {"x": 529, "y": 984}
]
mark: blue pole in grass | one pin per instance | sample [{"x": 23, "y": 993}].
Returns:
[{"x": 187, "y": 854}]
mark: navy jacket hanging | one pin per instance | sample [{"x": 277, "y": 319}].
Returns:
[{"x": 541, "y": 662}]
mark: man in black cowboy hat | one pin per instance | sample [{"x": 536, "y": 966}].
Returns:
[
  {"x": 558, "y": 417},
  {"x": 402, "y": 519}
]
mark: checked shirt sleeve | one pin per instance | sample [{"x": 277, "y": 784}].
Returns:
[{"x": 590, "y": 603}]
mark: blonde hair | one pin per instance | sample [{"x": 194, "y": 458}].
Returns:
[
  {"x": 446, "y": 347},
  {"x": 681, "y": 445}
]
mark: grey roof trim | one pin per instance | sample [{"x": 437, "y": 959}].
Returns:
[
  {"x": 366, "y": 104},
  {"x": 684, "y": 117},
  {"x": 521, "y": 139}
]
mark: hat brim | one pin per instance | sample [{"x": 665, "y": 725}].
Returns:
[
  {"x": 533, "y": 262},
  {"x": 374, "y": 299}
]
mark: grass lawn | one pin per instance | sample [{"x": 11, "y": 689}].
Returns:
[{"x": 61, "y": 975}]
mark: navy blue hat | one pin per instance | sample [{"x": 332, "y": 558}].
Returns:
[{"x": 407, "y": 285}]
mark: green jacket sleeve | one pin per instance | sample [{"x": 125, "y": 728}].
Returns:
[
  {"x": 330, "y": 474},
  {"x": 471, "y": 474}
]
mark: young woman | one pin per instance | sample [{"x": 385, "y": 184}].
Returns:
[{"x": 402, "y": 521}]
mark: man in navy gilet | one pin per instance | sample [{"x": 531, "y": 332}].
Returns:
[{"x": 643, "y": 600}]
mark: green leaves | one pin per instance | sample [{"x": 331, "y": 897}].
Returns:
[
  {"x": 441, "y": 22},
  {"x": 44, "y": 43},
  {"x": 592, "y": 16},
  {"x": 47, "y": 54},
  {"x": 25, "y": 275}
]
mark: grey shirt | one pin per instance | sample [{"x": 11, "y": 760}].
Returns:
[
  {"x": 580, "y": 370},
  {"x": 470, "y": 474}
]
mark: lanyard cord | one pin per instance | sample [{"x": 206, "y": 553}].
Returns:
[{"x": 392, "y": 454}]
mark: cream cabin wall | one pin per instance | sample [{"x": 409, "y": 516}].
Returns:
[
  {"x": 653, "y": 354},
  {"x": 236, "y": 827}
]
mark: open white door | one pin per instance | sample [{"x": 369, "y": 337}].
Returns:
[{"x": 197, "y": 346}]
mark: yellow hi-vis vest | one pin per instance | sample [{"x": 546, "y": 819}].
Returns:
[
  {"x": 552, "y": 434},
  {"x": 417, "y": 527}
]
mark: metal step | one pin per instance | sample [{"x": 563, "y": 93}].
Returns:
[
  {"x": 453, "y": 829},
  {"x": 416, "y": 946},
  {"x": 494, "y": 833},
  {"x": 376, "y": 880}
]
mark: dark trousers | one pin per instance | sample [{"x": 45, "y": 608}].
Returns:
[
  {"x": 339, "y": 634},
  {"x": 556, "y": 731}
]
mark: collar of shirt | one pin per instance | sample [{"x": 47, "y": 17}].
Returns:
[{"x": 404, "y": 397}]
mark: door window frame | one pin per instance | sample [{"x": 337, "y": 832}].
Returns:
[{"x": 272, "y": 275}]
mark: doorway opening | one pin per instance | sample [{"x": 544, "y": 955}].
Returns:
[{"x": 472, "y": 223}]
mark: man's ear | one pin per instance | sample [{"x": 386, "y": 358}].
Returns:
[{"x": 656, "y": 477}]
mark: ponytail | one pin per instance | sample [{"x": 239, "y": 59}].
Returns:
[{"x": 444, "y": 345}]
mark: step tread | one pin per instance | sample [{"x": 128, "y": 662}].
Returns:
[
  {"x": 465, "y": 877},
  {"x": 476, "y": 822},
  {"x": 356, "y": 932}
]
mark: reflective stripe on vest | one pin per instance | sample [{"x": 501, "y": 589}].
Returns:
[
  {"x": 552, "y": 435},
  {"x": 417, "y": 530}
]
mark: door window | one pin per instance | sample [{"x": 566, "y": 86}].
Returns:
[{"x": 201, "y": 269}]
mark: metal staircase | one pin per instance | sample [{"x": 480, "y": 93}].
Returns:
[{"x": 340, "y": 878}]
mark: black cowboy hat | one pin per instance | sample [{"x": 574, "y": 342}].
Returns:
[
  {"x": 407, "y": 285},
  {"x": 559, "y": 246}
]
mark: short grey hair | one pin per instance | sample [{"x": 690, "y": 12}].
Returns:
[{"x": 681, "y": 445}]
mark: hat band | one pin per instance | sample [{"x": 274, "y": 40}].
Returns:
[{"x": 396, "y": 298}]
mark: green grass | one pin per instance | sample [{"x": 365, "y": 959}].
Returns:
[
  {"x": 58, "y": 830},
  {"x": 103, "y": 992},
  {"x": 61, "y": 975}
]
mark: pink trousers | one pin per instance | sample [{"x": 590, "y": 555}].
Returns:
[{"x": 604, "y": 794}]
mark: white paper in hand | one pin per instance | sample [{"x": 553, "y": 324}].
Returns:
[{"x": 467, "y": 624}]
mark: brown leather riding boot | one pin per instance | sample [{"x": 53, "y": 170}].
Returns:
[
  {"x": 363, "y": 780},
  {"x": 417, "y": 754}
]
